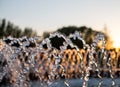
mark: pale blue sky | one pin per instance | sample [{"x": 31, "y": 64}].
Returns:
[{"x": 49, "y": 15}]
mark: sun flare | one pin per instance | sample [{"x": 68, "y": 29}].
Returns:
[{"x": 116, "y": 43}]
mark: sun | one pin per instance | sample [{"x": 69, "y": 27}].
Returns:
[{"x": 116, "y": 43}]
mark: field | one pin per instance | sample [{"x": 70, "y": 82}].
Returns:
[{"x": 47, "y": 63}]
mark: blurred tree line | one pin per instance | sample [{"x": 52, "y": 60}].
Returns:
[{"x": 9, "y": 29}]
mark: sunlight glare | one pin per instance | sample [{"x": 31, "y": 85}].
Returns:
[{"x": 116, "y": 43}]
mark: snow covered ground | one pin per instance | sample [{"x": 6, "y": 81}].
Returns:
[{"x": 93, "y": 82}]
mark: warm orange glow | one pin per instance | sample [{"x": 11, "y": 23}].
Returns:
[{"x": 116, "y": 43}]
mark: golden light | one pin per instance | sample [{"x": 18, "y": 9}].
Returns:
[{"x": 116, "y": 43}]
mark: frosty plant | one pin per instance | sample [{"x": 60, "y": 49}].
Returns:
[{"x": 42, "y": 59}]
